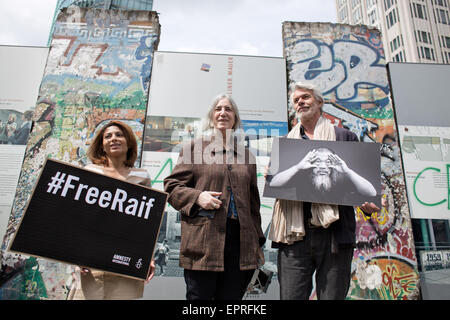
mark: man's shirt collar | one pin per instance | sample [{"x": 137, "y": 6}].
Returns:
[{"x": 302, "y": 133}]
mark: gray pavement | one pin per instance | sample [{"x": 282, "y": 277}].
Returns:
[
  {"x": 171, "y": 286},
  {"x": 435, "y": 285},
  {"x": 174, "y": 288}
]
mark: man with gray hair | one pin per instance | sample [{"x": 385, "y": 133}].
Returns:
[{"x": 314, "y": 237}]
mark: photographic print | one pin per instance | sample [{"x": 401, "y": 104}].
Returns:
[{"x": 334, "y": 172}]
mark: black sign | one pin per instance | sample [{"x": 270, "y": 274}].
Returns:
[
  {"x": 83, "y": 218},
  {"x": 334, "y": 172}
]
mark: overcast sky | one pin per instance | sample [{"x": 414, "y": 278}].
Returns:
[{"x": 247, "y": 27}]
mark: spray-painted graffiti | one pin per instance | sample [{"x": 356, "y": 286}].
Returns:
[
  {"x": 347, "y": 64},
  {"x": 95, "y": 72},
  {"x": 379, "y": 278},
  {"x": 342, "y": 117},
  {"x": 145, "y": 52},
  {"x": 350, "y": 69}
]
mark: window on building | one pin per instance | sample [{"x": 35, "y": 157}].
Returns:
[
  {"x": 399, "y": 57},
  {"x": 371, "y": 3},
  {"x": 343, "y": 14},
  {"x": 441, "y": 233},
  {"x": 442, "y": 3},
  {"x": 424, "y": 37},
  {"x": 388, "y": 4},
  {"x": 427, "y": 53},
  {"x": 396, "y": 43},
  {"x": 418, "y": 11},
  {"x": 442, "y": 16},
  {"x": 373, "y": 16},
  {"x": 446, "y": 42},
  {"x": 357, "y": 15},
  {"x": 391, "y": 18}
]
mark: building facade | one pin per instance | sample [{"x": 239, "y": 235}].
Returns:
[{"x": 412, "y": 30}]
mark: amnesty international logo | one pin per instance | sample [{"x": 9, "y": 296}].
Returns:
[{"x": 139, "y": 264}]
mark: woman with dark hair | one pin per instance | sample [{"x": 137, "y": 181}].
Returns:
[
  {"x": 113, "y": 153},
  {"x": 215, "y": 189}
]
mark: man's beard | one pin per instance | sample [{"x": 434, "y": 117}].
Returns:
[
  {"x": 304, "y": 116},
  {"x": 323, "y": 183}
]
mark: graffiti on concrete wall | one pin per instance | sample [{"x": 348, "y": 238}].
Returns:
[
  {"x": 98, "y": 69},
  {"x": 347, "y": 64}
]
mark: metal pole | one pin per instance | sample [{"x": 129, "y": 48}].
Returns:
[
  {"x": 432, "y": 238},
  {"x": 424, "y": 229}
]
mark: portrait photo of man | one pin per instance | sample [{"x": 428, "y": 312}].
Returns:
[{"x": 322, "y": 175}]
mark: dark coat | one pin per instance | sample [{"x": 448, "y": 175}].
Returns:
[
  {"x": 203, "y": 238},
  {"x": 344, "y": 228}
]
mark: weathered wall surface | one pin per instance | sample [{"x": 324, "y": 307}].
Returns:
[
  {"x": 98, "y": 69},
  {"x": 348, "y": 65}
]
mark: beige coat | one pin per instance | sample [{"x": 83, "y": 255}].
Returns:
[{"x": 100, "y": 285}]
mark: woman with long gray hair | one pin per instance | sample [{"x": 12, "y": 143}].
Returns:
[{"x": 214, "y": 187}]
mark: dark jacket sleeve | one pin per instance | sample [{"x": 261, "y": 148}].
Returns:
[
  {"x": 344, "y": 228},
  {"x": 343, "y": 134},
  {"x": 255, "y": 205}
]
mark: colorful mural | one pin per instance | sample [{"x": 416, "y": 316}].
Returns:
[
  {"x": 347, "y": 63},
  {"x": 98, "y": 69}
]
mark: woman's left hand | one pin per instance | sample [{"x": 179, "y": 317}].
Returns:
[
  {"x": 152, "y": 271},
  {"x": 208, "y": 200}
]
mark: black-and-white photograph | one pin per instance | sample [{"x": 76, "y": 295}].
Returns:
[{"x": 334, "y": 172}]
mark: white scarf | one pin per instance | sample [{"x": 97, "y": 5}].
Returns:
[{"x": 287, "y": 221}]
